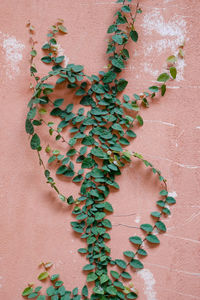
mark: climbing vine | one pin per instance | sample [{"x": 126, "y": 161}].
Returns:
[{"x": 100, "y": 127}]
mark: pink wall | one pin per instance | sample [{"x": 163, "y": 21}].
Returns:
[{"x": 34, "y": 223}]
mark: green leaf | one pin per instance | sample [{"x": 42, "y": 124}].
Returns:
[
  {"x": 160, "y": 203},
  {"x": 142, "y": 252},
  {"x": 62, "y": 28},
  {"x": 115, "y": 274},
  {"x": 104, "y": 278},
  {"x": 98, "y": 152},
  {"x": 41, "y": 297},
  {"x": 46, "y": 59},
  {"x": 156, "y": 214},
  {"x": 71, "y": 152},
  {"x": 118, "y": 63},
  {"x": 32, "y": 295},
  {"x": 51, "y": 291},
  {"x": 77, "y": 68},
  {"x": 152, "y": 239},
  {"x": 112, "y": 28},
  {"x": 161, "y": 226},
  {"x": 91, "y": 240},
  {"x": 62, "y": 197},
  {"x": 130, "y": 133},
  {"x": 91, "y": 277},
  {"x": 146, "y": 227},
  {"x": 132, "y": 295},
  {"x": 82, "y": 250},
  {"x": 75, "y": 291},
  {"x": 163, "y": 89},
  {"x": 140, "y": 120},
  {"x": 173, "y": 72},
  {"x": 135, "y": 263},
  {"x": 135, "y": 240},
  {"x": 54, "y": 277},
  {"x": 96, "y": 173},
  {"x": 163, "y": 77},
  {"x": 88, "y": 267},
  {"x": 38, "y": 288},
  {"x": 35, "y": 142},
  {"x": 154, "y": 89},
  {"x": 125, "y": 53},
  {"x": 29, "y": 127},
  {"x": 88, "y": 141},
  {"x": 98, "y": 290},
  {"x": 121, "y": 263},
  {"x": 107, "y": 223},
  {"x": 27, "y": 291},
  {"x": 42, "y": 111},
  {"x": 88, "y": 163},
  {"x": 134, "y": 35},
  {"x": 117, "y": 38},
  {"x": 69, "y": 173},
  {"x": 163, "y": 193},
  {"x": 170, "y": 200},
  {"x": 121, "y": 85},
  {"x": 43, "y": 275},
  {"x": 126, "y": 275},
  {"x": 84, "y": 291},
  {"x": 59, "y": 59},
  {"x": 111, "y": 290},
  {"x": 99, "y": 216},
  {"x": 31, "y": 114},
  {"x": 172, "y": 59},
  {"x": 129, "y": 254},
  {"x": 126, "y": 8},
  {"x": 83, "y": 150},
  {"x": 46, "y": 46},
  {"x": 108, "y": 207},
  {"x": 109, "y": 77},
  {"x": 33, "y": 53},
  {"x": 166, "y": 211},
  {"x": 124, "y": 141},
  {"x": 61, "y": 170}
]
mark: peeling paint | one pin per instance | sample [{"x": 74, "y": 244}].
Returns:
[
  {"x": 149, "y": 282},
  {"x": 173, "y": 33},
  {"x": 61, "y": 51},
  {"x": 137, "y": 219},
  {"x": 161, "y": 122},
  {"x": 172, "y": 194},
  {"x": 148, "y": 68},
  {"x": 13, "y": 53}
]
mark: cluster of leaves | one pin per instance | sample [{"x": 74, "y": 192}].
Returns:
[{"x": 95, "y": 154}]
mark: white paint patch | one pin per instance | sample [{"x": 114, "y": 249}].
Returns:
[
  {"x": 149, "y": 282},
  {"x": 161, "y": 122},
  {"x": 13, "y": 52},
  {"x": 62, "y": 52},
  {"x": 137, "y": 219},
  {"x": 148, "y": 68},
  {"x": 175, "y": 27},
  {"x": 167, "y": 1},
  {"x": 172, "y": 32},
  {"x": 172, "y": 194}
]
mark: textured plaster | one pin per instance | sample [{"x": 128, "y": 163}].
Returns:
[{"x": 35, "y": 226}]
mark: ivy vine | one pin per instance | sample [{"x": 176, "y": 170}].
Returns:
[{"x": 101, "y": 128}]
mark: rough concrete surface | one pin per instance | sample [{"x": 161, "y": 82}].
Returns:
[{"x": 35, "y": 226}]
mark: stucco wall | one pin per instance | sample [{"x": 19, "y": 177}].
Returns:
[{"x": 34, "y": 224}]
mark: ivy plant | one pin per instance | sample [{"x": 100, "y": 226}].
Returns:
[{"x": 100, "y": 129}]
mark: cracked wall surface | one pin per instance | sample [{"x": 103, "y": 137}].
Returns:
[{"x": 35, "y": 226}]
